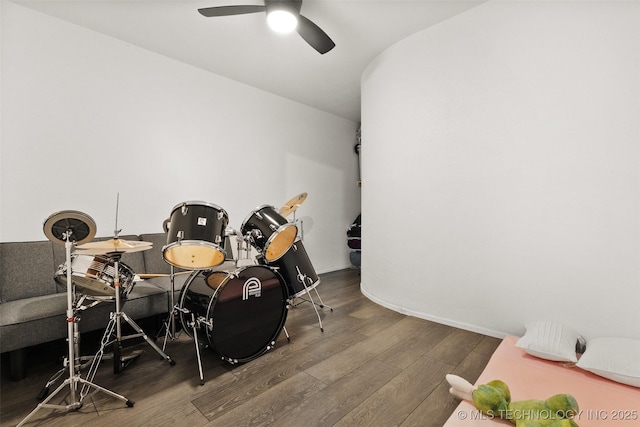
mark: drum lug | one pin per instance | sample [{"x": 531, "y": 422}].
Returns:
[
  {"x": 258, "y": 215},
  {"x": 221, "y": 214},
  {"x": 180, "y": 235},
  {"x": 184, "y": 209},
  {"x": 204, "y": 321},
  {"x": 273, "y": 227}
]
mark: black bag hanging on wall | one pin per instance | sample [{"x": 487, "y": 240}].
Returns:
[{"x": 354, "y": 234}]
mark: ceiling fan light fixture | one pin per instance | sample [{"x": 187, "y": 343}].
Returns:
[{"x": 282, "y": 20}]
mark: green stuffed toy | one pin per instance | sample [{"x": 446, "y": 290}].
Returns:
[{"x": 494, "y": 400}]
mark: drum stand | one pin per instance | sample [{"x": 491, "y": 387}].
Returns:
[
  {"x": 120, "y": 362},
  {"x": 81, "y": 361},
  {"x": 75, "y": 401},
  {"x": 303, "y": 278},
  {"x": 170, "y": 324}
]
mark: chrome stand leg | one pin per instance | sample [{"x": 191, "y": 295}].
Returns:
[
  {"x": 302, "y": 278},
  {"x": 117, "y": 345},
  {"x": 74, "y": 380},
  {"x": 170, "y": 324},
  {"x": 197, "y": 344}
]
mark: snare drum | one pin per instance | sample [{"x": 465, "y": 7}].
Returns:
[
  {"x": 238, "y": 314},
  {"x": 96, "y": 275},
  {"x": 195, "y": 236},
  {"x": 269, "y": 232},
  {"x": 296, "y": 269}
]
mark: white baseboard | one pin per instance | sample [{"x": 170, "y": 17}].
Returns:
[{"x": 437, "y": 319}]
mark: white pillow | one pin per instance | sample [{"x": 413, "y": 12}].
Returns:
[
  {"x": 550, "y": 340},
  {"x": 617, "y": 359}
]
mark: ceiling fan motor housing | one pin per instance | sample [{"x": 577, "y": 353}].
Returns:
[{"x": 292, "y": 6}]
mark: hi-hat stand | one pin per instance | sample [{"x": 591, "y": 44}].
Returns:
[{"x": 62, "y": 227}]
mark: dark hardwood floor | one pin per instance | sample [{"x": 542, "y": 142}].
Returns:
[{"x": 371, "y": 366}]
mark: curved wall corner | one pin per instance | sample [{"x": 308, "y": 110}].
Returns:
[{"x": 500, "y": 168}]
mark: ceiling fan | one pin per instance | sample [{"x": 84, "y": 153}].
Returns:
[{"x": 283, "y": 16}]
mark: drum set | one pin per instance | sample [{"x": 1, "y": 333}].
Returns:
[
  {"x": 237, "y": 311},
  {"x": 233, "y": 302}
]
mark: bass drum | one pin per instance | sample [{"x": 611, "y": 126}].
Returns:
[{"x": 238, "y": 314}]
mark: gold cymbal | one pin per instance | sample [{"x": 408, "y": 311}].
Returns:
[
  {"x": 113, "y": 245},
  {"x": 293, "y": 204}
]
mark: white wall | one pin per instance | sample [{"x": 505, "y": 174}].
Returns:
[
  {"x": 86, "y": 116},
  {"x": 501, "y": 166}
]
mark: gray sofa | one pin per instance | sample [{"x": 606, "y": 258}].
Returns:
[{"x": 33, "y": 305}]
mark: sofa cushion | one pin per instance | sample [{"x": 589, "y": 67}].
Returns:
[
  {"x": 153, "y": 260},
  {"x": 41, "y": 319},
  {"x": 27, "y": 270},
  {"x": 28, "y": 309}
]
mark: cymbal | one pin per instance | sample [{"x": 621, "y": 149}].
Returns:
[
  {"x": 77, "y": 226},
  {"x": 113, "y": 245},
  {"x": 293, "y": 204}
]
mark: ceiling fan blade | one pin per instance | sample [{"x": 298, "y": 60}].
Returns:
[
  {"x": 314, "y": 35},
  {"x": 230, "y": 10}
]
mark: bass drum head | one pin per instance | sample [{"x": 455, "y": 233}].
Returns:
[{"x": 247, "y": 309}]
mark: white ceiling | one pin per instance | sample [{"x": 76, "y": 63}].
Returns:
[{"x": 244, "y": 49}]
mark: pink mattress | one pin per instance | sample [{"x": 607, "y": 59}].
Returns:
[{"x": 602, "y": 402}]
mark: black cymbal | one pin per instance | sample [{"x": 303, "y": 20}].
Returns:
[{"x": 80, "y": 227}]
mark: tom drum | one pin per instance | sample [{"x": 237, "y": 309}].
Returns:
[
  {"x": 195, "y": 236},
  {"x": 269, "y": 232}
]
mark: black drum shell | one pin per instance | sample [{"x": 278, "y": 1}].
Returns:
[
  {"x": 288, "y": 265},
  {"x": 196, "y": 236},
  {"x": 269, "y": 232}
]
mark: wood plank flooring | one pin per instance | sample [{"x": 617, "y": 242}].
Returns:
[{"x": 370, "y": 367}]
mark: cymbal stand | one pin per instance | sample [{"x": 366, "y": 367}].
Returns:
[
  {"x": 81, "y": 361},
  {"x": 115, "y": 323},
  {"x": 74, "y": 379},
  {"x": 303, "y": 279}
]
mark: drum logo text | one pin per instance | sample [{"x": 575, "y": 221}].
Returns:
[
  {"x": 202, "y": 221},
  {"x": 252, "y": 287}
]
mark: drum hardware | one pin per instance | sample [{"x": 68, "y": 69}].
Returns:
[
  {"x": 115, "y": 323},
  {"x": 81, "y": 361},
  {"x": 303, "y": 279},
  {"x": 193, "y": 324},
  {"x": 297, "y": 270},
  {"x": 170, "y": 323},
  {"x": 67, "y": 227}
]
